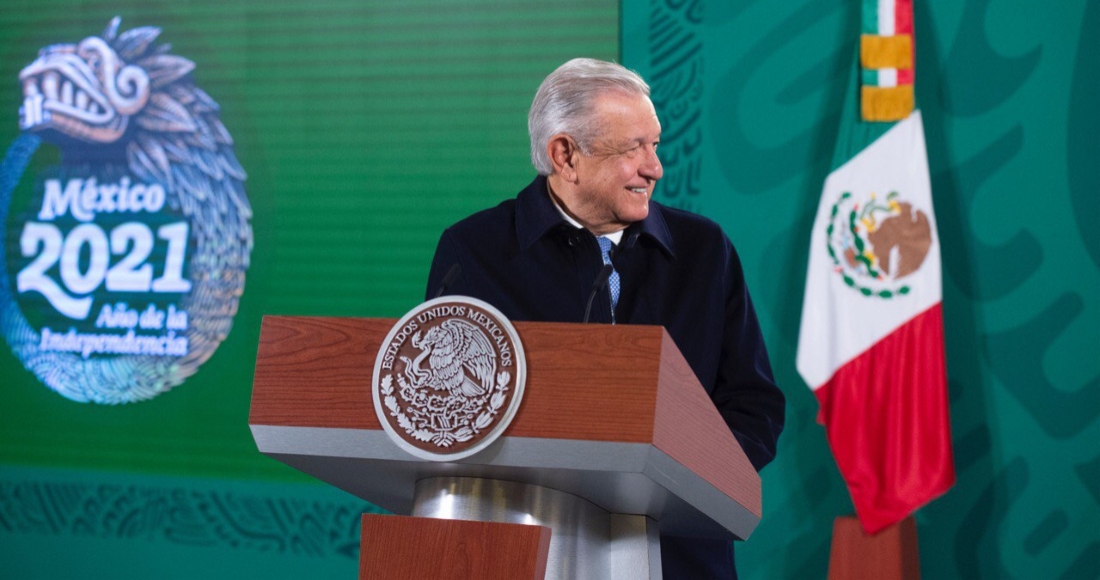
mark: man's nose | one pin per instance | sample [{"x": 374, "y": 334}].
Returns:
[{"x": 651, "y": 168}]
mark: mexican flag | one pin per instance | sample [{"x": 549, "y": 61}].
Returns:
[{"x": 871, "y": 342}]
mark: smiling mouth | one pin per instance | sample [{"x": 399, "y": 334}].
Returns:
[{"x": 641, "y": 190}]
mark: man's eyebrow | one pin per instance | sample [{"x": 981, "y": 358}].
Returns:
[{"x": 643, "y": 140}]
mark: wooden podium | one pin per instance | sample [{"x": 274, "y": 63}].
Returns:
[{"x": 615, "y": 442}]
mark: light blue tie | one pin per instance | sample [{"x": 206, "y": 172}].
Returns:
[{"x": 613, "y": 280}]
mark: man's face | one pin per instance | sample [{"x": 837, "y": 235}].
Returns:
[{"x": 616, "y": 178}]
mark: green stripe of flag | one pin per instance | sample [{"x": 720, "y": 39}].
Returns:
[{"x": 870, "y": 17}]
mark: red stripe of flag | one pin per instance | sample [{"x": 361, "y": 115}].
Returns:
[
  {"x": 886, "y": 420},
  {"x": 903, "y": 17},
  {"x": 903, "y": 24}
]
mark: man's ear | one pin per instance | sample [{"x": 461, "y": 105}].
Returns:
[{"x": 563, "y": 152}]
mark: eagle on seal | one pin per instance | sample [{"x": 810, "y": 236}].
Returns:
[{"x": 460, "y": 357}]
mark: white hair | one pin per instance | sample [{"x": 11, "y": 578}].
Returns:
[{"x": 564, "y": 104}]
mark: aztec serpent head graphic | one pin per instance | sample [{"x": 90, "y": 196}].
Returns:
[{"x": 122, "y": 100}]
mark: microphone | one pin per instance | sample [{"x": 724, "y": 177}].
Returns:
[
  {"x": 601, "y": 281},
  {"x": 449, "y": 278}
]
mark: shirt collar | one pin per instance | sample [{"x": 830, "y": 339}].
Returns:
[
  {"x": 615, "y": 237},
  {"x": 537, "y": 214}
]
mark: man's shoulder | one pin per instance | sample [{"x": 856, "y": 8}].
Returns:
[
  {"x": 527, "y": 215},
  {"x": 684, "y": 216},
  {"x": 686, "y": 224},
  {"x": 494, "y": 220}
]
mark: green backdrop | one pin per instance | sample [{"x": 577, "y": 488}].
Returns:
[{"x": 366, "y": 128}]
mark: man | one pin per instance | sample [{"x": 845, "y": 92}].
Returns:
[{"x": 594, "y": 136}]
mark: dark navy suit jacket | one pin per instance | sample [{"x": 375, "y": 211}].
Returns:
[{"x": 677, "y": 270}]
